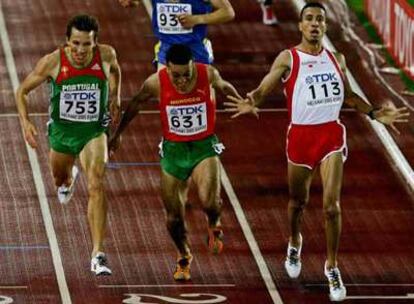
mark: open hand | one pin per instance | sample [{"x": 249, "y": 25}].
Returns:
[
  {"x": 241, "y": 106},
  {"x": 389, "y": 115}
]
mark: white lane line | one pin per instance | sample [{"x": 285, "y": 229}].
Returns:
[
  {"x": 34, "y": 162},
  {"x": 368, "y": 285},
  {"x": 406, "y": 297},
  {"x": 170, "y": 286},
  {"x": 13, "y": 287},
  {"x": 241, "y": 217},
  {"x": 389, "y": 143},
  {"x": 251, "y": 241}
]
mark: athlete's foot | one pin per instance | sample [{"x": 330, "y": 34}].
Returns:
[
  {"x": 293, "y": 264},
  {"x": 215, "y": 240},
  {"x": 337, "y": 290},
  {"x": 99, "y": 265},
  {"x": 182, "y": 270}
]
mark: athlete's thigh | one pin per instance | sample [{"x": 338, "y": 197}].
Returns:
[
  {"x": 332, "y": 174},
  {"x": 171, "y": 192},
  {"x": 299, "y": 180},
  {"x": 206, "y": 176},
  {"x": 95, "y": 155}
]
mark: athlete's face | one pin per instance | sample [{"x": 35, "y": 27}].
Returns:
[
  {"x": 313, "y": 24},
  {"x": 181, "y": 75},
  {"x": 81, "y": 45}
]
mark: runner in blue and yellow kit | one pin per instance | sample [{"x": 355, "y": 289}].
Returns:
[
  {"x": 185, "y": 22},
  {"x": 85, "y": 94}
]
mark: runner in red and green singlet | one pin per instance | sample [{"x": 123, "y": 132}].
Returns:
[
  {"x": 190, "y": 147},
  {"x": 82, "y": 103}
]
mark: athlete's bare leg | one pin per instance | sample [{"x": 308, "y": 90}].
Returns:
[
  {"x": 93, "y": 159},
  {"x": 299, "y": 180},
  {"x": 206, "y": 176},
  {"x": 172, "y": 192},
  {"x": 61, "y": 165},
  {"x": 331, "y": 174}
]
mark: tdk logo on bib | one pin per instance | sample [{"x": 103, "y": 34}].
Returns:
[
  {"x": 80, "y": 96},
  {"x": 191, "y": 110},
  {"x": 321, "y": 78},
  {"x": 175, "y": 9}
]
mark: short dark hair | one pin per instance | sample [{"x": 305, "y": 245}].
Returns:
[
  {"x": 311, "y": 4},
  {"x": 83, "y": 23},
  {"x": 179, "y": 54}
]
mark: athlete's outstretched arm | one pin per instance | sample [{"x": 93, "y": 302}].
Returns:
[
  {"x": 223, "y": 12},
  {"x": 40, "y": 74},
  {"x": 270, "y": 81},
  {"x": 255, "y": 98},
  {"x": 387, "y": 114},
  {"x": 220, "y": 84},
  {"x": 149, "y": 89}
]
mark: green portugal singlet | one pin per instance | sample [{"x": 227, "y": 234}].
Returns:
[{"x": 78, "y": 105}]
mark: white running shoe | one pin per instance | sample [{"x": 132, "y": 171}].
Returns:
[
  {"x": 64, "y": 192},
  {"x": 269, "y": 17},
  {"x": 337, "y": 290},
  {"x": 293, "y": 265},
  {"x": 99, "y": 265}
]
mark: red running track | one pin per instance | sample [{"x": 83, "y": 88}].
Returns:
[{"x": 376, "y": 250}]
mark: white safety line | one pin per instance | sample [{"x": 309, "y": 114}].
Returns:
[
  {"x": 382, "y": 132},
  {"x": 254, "y": 247},
  {"x": 34, "y": 162},
  {"x": 241, "y": 217},
  {"x": 368, "y": 285},
  {"x": 169, "y": 286},
  {"x": 406, "y": 297}
]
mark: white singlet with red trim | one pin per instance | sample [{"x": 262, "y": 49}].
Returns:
[{"x": 314, "y": 88}]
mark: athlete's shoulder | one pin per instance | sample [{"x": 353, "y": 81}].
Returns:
[
  {"x": 284, "y": 57},
  {"x": 341, "y": 59},
  {"x": 49, "y": 62},
  {"x": 108, "y": 52}
]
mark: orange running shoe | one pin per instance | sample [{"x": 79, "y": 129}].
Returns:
[
  {"x": 215, "y": 240},
  {"x": 182, "y": 272}
]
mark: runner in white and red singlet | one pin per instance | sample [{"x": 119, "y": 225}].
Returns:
[
  {"x": 189, "y": 148},
  {"x": 315, "y": 87}
]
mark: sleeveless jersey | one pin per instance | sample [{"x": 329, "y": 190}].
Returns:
[
  {"x": 168, "y": 29},
  {"x": 79, "y": 97},
  {"x": 187, "y": 117},
  {"x": 314, "y": 88}
]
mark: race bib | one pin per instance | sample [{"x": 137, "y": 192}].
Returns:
[
  {"x": 323, "y": 90},
  {"x": 187, "y": 120},
  {"x": 80, "y": 106},
  {"x": 167, "y": 17}
]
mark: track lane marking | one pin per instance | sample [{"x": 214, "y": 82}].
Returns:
[{"x": 37, "y": 176}]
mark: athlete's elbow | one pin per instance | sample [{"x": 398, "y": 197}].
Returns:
[{"x": 230, "y": 14}]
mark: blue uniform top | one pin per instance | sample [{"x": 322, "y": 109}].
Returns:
[{"x": 168, "y": 29}]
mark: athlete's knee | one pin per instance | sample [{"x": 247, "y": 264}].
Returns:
[
  {"x": 298, "y": 202},
  {"x": 332, "y": 210},
  {"x": 175, "y": 225}
]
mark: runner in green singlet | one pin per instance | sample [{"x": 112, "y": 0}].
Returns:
[{"x": 85, "y": 95}]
